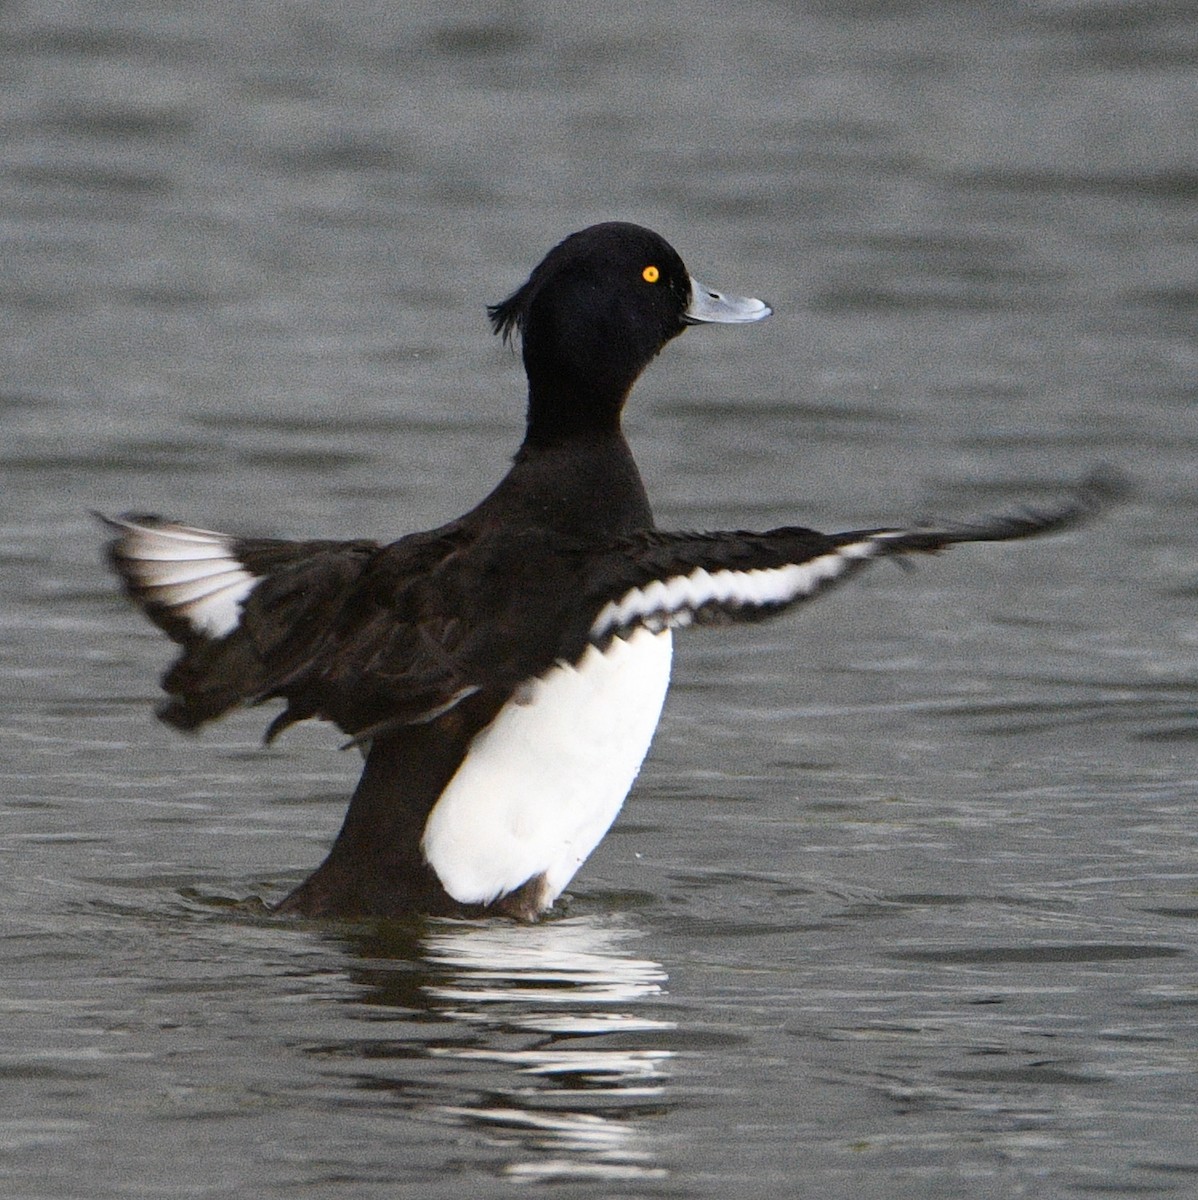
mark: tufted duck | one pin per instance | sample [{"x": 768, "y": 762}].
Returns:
[{"x": 504, "y": 673}]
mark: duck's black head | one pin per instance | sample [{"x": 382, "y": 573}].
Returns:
[{"x": 594, "y": 312}]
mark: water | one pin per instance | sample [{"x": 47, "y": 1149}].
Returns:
[{"x": 904, "y": 903}]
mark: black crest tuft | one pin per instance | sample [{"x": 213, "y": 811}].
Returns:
[{"x": 507, "y": 317}]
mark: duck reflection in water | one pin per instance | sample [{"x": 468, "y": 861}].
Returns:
[{"x": 549, "y": 1042}]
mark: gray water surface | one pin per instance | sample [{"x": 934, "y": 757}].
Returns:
[{"x": 904, "y": 903}]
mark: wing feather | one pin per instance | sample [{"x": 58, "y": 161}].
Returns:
[{"x": 665, "y": 579}]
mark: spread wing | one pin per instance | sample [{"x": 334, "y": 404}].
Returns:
[
  {"x": 661, "y": 580},
  {"x": 369, "y": 637}
]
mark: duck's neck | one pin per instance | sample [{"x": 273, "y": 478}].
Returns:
[
  {"x": 583, "y": 483},
  {"x": 563, "y": 408}
]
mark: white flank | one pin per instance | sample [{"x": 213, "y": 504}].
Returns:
[
  {"x": 541, "y": 785},
  {"x": 675, "y": 601},
  {"x": 192, "y": 572}
]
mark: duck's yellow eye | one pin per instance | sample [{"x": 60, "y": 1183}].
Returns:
[{"x": 650, "y": 274}]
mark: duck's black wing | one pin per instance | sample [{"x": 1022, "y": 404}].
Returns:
[
  {"x": 661, "y": 580},
  {"x": 369, "y": 637},
  {"x": 313, "y": 622}
]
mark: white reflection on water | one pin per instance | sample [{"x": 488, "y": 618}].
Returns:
[
  {"x": 570, "y": 961},
  {"x": 574, "y": 982}
]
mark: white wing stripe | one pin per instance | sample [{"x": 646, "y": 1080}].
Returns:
[
  {"x": 148, "y": 550},
  {"x": 161, "y": 572},
  {"x": 179, "y": 533},
  {"x": 171, "y": 593},
  {"x": 219, "y": 612},
  {"x": 674, "y": 601},
  {"x": 191, "y": 572},
  {"x": 172, "y": 543}
]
